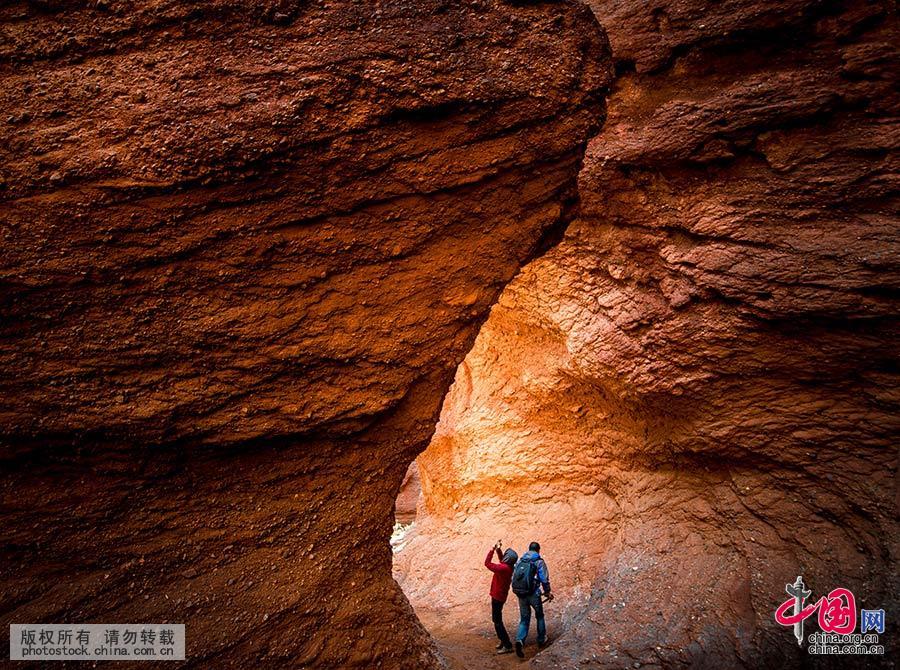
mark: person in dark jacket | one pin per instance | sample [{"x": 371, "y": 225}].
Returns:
[
  {"x": 532, "y": 601},
  {"x": 499, "y": 591}
]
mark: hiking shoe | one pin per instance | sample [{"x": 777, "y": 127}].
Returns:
[
  {"x": 519, "y": 651},
  {"x": 543, "y": 643},
  {"x": 500, "y": 646},
  {"x": 504, "y": 650}
]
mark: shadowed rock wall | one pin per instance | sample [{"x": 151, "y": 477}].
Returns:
[
  {"x": 245, "y": 248},
  {"x": 693, "y": 398}
]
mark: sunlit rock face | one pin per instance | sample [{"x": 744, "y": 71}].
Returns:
[
  {"x": 245, "y": 248},
  {"x": 693, "y": 398}
]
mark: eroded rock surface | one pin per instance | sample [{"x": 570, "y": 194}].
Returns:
[
  {"x": 245, "y": 248},
  {"x": 694, "y": 397},
  {"x": 409, "y": 495}
]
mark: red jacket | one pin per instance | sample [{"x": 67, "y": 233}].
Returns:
[{"x": 502, "y": 577}]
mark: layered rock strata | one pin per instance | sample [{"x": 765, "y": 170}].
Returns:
[
  {"x": 693, "y": 398},
  {"x": 245, "y": 247}
]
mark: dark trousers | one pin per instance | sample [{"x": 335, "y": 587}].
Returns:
[{"x": 497, "y": 618}]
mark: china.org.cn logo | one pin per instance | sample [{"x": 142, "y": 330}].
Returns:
[{"x": 837, "y": 621}]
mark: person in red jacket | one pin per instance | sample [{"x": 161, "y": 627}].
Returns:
[{"x": 499, "y": 590}]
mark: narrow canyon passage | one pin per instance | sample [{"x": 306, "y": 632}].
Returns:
[
  {"x": 693, "y": 397},
  {"x": 248, "y": 247}
]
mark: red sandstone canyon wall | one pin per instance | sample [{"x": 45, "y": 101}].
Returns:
[
  {"x": 693, "y": 398},
  {"x": 245, "y": 248}
]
